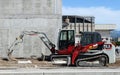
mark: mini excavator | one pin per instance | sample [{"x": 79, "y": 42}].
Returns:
[{"x": 90, "y": 47}]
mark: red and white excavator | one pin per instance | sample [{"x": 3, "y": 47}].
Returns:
[{"x": 89, "y": 47}]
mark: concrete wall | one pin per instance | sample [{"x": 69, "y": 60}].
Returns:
[
  {"x": 26, "y": 15},
  {"x": 105, "y": 29},
  {"x": 104, "y": 33},
  {"x": 105, "y": 26}
]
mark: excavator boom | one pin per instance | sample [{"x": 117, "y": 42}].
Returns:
[{"x": 19, "y": 39}]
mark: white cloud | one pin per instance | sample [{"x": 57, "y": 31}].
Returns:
[{"x": 102, "y": 15}]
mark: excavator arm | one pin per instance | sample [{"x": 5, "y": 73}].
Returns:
[{"x": 20, "y": 39}]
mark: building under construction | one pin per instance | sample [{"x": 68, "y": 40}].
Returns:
[
  {"x": 86, "y": 24},
  {"x": 79, "y": 23}
]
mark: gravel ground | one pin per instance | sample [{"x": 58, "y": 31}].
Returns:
[
  {"x": 26, "y": 64},
  {"x": 32, "y": 63}
]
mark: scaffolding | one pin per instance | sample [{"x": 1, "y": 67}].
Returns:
[{"x": 79, "y": 23}]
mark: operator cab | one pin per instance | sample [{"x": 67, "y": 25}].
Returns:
[{"x": 66, "y": 38}]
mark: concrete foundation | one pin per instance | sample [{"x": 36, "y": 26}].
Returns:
[{"x": 28, "y": 15}]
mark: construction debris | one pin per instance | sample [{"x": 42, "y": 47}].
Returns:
[{"x": 24, "y": 62}]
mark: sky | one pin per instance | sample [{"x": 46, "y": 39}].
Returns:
[{"x": 104, "y": 11}]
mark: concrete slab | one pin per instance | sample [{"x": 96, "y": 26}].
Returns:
[{"x": 61, "y": 71}]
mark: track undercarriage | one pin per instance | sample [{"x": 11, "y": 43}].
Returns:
[{"x": 94, "y": 56}]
